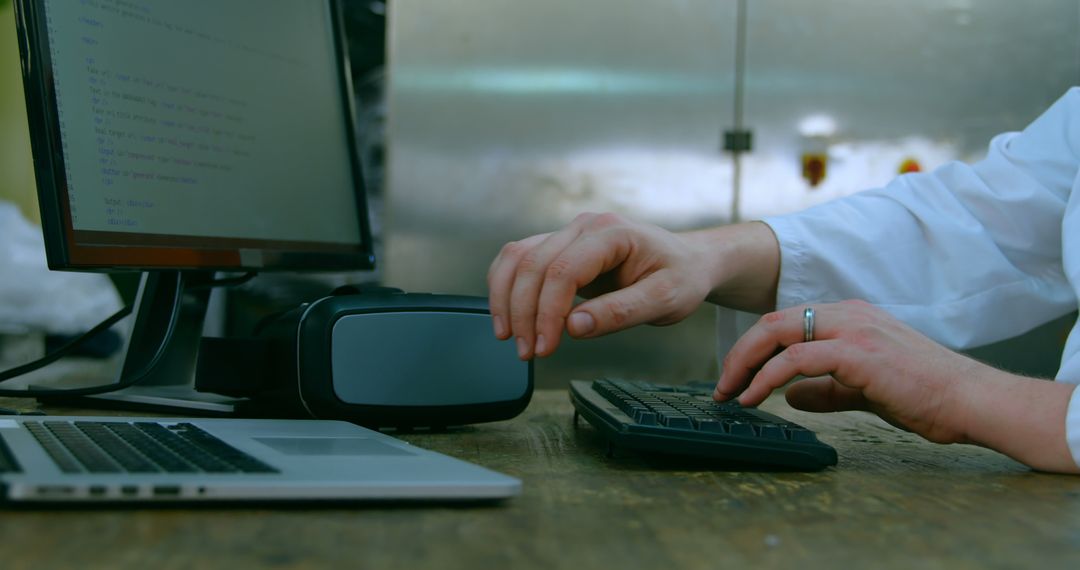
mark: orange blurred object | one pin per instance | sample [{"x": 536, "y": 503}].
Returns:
[
  {"x": 814, "y": 167},
  {"x": 910, "y": 165}
]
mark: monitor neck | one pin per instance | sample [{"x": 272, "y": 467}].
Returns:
[{"x": 155, "y": 305}]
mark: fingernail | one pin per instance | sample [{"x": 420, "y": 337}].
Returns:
[
  {"x": 541, "y": 344},
  {"x": 716, "y": 395},
  {"x": 523, "y": 348},
  {"x": 500, "y": 326},
  {"x": 580, "y": 323}
]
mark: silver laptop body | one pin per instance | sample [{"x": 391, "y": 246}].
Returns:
[{"x": 272, "y": 460}]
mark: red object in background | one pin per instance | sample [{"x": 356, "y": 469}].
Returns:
[
  {"x": 910, "y": 165},
  {"x": 814, "y": 167}
]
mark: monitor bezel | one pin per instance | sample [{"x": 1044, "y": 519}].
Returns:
[{"x": 64, "y": 246}]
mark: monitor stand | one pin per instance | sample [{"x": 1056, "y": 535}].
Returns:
[{"x": 170, "y": 385}]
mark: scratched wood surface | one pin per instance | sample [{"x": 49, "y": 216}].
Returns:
[{"x": 894, "y": 501}]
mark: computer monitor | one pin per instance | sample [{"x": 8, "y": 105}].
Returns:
[{"x": 184, "y": 138}]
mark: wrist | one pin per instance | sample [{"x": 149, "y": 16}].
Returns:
[
  {"x": 960, "y": 408},
  {"x": 742, "y": 263},
  {"x": 1021, "y": 417}
]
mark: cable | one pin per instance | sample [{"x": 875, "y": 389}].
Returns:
[
  {"x": 63, "y": 350},
  {"x": 105, "y": 388},
  {"x": 104, "y": 325}
]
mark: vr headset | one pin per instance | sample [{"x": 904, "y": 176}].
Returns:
[{"x": 387, "y": 359}]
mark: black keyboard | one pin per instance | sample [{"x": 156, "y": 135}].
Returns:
[
  {"x": 684, "y": 420},
  {"x": 139, "y": 447}
]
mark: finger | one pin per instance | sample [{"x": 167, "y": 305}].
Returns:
[
  {"x": 771, "y": 334},
  {"x": 620, "y": 309},
  {"x": 531, "y": 269},
  {"x": 575, "y": 267},
  {"x": 816, "y": 358},
  {"x": 824, "y": 394},
  {"x": 500, "y": 280}
]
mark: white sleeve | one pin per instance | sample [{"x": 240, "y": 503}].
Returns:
[{"x": 968, "y": 254}]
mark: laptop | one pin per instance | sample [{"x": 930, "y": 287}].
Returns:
[{"x": 68, "y": 459}]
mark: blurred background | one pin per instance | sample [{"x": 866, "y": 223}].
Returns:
[
  {"x": 484, "y": 121},
  {"x": 508, "y": 118},
  {"x": 16, "y": 165}
]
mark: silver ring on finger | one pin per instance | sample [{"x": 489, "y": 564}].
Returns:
[{"x": 808, "y": 324}]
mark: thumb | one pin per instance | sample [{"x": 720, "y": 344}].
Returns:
[
  {"x": 620, "y": 309},
  {"x": 824, "y": 394}
]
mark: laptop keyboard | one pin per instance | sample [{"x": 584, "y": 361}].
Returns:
[{"x": 139, "y": 447}]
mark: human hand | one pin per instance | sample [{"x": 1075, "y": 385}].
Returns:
[
  {"x": 872, "y": 361},
  {"x": 633, "y": 273}
]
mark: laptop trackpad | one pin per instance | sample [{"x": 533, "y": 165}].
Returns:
[{"x": 348, "y": 446}]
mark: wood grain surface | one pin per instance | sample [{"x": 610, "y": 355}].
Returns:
[{"x": 894, "y": 501}]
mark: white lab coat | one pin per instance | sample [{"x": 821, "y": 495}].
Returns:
[{"x": 967, "y": 254}]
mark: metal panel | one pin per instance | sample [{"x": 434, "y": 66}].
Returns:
[
  {"x": 931, "y": 80},
  {"x": 513, "y": 116},
  {"x": 508, "y": 118}
]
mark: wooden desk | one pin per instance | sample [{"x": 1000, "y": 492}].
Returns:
[{"x": 894, "y": 501}]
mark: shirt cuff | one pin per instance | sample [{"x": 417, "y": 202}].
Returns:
[{"x": 791, "y": 288}]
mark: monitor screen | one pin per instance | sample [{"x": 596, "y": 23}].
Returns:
[
  {"x": 183, "y": 138},
  {"x": 204, "y": 134}
]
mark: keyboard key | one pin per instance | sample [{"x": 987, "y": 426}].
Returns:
[
  {"x": 645, "y": 418},
  {"x": 740, "y": 428},
  {"x": 772, "y": 432},
  {"x": 709, "y": 425},
  {"x": 678, "y": 422}
]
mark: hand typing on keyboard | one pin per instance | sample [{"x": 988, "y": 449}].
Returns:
[{"x": 861, "y": 358}]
